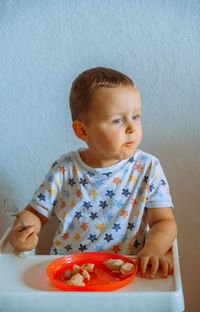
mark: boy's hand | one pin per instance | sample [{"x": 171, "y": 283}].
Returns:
[
  {"x": 24, "y": 240},
  {"x": 153, "y": 256}
]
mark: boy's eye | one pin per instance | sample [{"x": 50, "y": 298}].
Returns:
[
  {"x": 135, "y": 117},
  {"x": 116, "y": 121}
]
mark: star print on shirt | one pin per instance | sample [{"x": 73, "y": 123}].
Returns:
[
  {"x": 108, "y": 237},
  {"x": 130, "y": 226},
  {"x": 93, "y": 215},
  {"x": 136, "y": 244},
  {"x": 110, "y": 193},
  {"x": 103, "y": 204},
  {"x": 145, "y": 179},
  {"x": 126, "y": 192},
  {"x": 90, "y": 174},
  {"x": 87, "y": 205},
  {"x": 78, "y": 214},
  {"x": 151, "y": 188},
  {"x": 71, "y": 182},
  {"x": 163, "y": 183},
  {"x": 116, "y": 227},
  {"x": 68, "y": 247},
  {"x": 131, "y": 160},
  {"x": 92, "y": 238},
  {"x": 41, "y": 197},
  {"x": 83, "y": 181},
  {"x": 82, "y": 247},
  {"x": 107, "y": 174}
]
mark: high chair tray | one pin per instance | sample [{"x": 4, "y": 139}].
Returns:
[{"x": 25, "y": 286}]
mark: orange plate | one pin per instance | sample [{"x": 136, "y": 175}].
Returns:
[{"x": 101, "y": 280}]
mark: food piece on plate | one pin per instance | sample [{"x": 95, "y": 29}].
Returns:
[
  {"x": 76, "y": 269},
  {"x": 113, "y": 264},
  {"x": 88, "y": 267},
  {"x": 76, "y": 280},
  {"x": 127, "y": 269},
  {"x": 67, "y": 274},
  {"x": 86, "y": 275}
]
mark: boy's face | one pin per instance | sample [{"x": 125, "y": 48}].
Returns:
[{"x": 114, "y": 129}]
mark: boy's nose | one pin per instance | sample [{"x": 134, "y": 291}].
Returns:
[{"x": 130, "y": 129}]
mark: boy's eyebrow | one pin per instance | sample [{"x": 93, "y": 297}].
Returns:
[{"x": 123, "y": 113}]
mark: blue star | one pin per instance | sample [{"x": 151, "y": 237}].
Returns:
[
  {"x": 78, "y": 214},
  {"x": 131, "y": 160},
  {"x": 108, "y": 215},
  {"x": 125, "y": 170},
  {"x": 82, "y": 247},
  {"x": 118, "y": 203},
  {"x": 159, "y": 194},
  {"x": 110, "y": 193},
  {"x": 83, "y": 181},
  {"x": 126, "y": 192},
  {"x": 163, "y": 182},
  {"x": 107, "y": 174},
  {"x": 99, "y": 248},
  {"x": 87, "y": 205},
  {"x": 116, "y": 227},
  {"x": 90, "y": 174},
  {"x": 156, "y": 163},
  {"x": 41, "y": 197},
  {"x": 92, "y": 238},
  {"x": 151, "y": 188},
  {"x": 108, "y": 237},
  {"x": 144, "y": 158},
  {"x": 103, "y": 204},
  {"x": 99, "y": 183}
]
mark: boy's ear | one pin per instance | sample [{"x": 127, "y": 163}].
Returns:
[{"x": 80, "y": 130}]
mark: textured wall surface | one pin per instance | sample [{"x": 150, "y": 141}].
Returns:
[{"x": 45, "y": 44}]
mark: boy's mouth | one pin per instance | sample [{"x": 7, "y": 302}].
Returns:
[{"x": 128, "y": 144}]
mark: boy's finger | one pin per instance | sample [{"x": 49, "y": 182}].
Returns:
[
  {"x": 165, "y": 269},
  {"x": 170, "y": 268},
  {"x": 154, "y": 267},
  {"x": 27, "y": 232},
  {"x": 143, "y": 265}
]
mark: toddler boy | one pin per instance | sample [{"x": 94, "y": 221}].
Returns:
[{"x": 104, "y": 196}]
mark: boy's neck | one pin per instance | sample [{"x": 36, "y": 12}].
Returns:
[{"x": 90, "y": 160}]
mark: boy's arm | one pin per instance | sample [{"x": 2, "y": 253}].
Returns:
[
  {"x": 163, "y": 231},
  {"x": 26, "y": 239}
]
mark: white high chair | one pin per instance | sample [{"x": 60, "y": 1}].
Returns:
[{"x": 24, "y": 286}]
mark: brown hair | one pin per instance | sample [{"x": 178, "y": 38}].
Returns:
[{"x": 87, "y": 82}]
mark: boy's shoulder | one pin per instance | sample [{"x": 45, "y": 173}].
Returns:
[
  {"x": 65, "y": 160},
  {"x": 145, "y": 157}
]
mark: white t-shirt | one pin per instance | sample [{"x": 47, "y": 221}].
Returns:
[{"x": 102, "y": 209}]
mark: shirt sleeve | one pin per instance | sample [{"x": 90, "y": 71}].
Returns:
[
  {"x": 47, "y": 196},
  {"x": 158, "y": 195}
]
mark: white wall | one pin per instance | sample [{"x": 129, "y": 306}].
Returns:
[{"x": 45, "y": 44}]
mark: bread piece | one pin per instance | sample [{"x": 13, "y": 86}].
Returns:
[
  {"x": 113, "y": 264},
  {"x": 76, "y": 280},
  {"x": 127, "y": 269}
]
